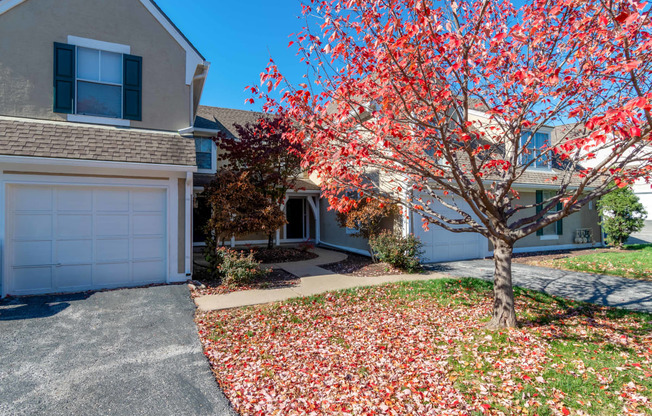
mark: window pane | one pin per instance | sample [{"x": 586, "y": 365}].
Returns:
[
  {"x": 204, "y": 160},
  {"x": 111, "y": 64},
  {"x": 204, "y": 145},
  {"x": 99, "y": 99},
  {"x": 541, "y": 140},
  {"x": 88, "y": 64}
]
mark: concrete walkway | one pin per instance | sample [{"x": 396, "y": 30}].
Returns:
[
  {"x": 314, "y": 280},
  {"x": 594, "y": 288}
]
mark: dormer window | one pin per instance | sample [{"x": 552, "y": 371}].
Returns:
[
  {"x": 536, "y": 149},
  {"x": 97, "y": 81}
]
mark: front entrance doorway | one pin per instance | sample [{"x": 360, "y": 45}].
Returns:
[{"x": 295, "y": 212}]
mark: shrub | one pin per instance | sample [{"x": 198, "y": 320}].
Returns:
[
  {"x": 398, "y": 251},
  {"x": 239, "y": 268},
  {"x": 622, "y": 214}
]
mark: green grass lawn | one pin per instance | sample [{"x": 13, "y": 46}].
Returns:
[
  {"x": 633, "y": 262},
  {"x": 420, "y": 348}
]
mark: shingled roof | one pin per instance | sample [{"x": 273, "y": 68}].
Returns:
[
  {"x": 224, "y": 119},
  {"x": 21, "y": 137}
]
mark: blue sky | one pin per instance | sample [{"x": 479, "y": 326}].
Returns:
[{"x": 237, "y": 37}]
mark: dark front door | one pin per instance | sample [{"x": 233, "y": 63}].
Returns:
[
  {"x": 294, "y": 211},
  {"x": 200, "y": 216}
]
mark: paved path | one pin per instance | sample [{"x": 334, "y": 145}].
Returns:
[
  {"x": 594, "y": 288},
  {"x": 314, "y": 280},
  {"x": 123, "y": 352}
]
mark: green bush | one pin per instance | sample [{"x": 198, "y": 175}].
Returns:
[
  {"x": 398, "y": 251},
  {"x": 239, "y": 268},
  {"x": 622, "y": 214}
]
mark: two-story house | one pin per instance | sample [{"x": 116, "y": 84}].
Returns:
[
  {"x": 579, "y": 230},
  {"x": 95, "y": 178}
]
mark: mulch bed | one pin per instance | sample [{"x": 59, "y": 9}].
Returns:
[
  {"x": 281, "y": 254},
  {"x": 275, "y": 279},
  {"x": 361, "y": 266}
]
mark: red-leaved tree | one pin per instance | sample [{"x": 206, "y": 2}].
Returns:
[
  {"x": 443, "y": 100},
  {"x": 270, "y": 160}
]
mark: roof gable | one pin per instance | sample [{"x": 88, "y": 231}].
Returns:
[{"x": 193, "y": 56}]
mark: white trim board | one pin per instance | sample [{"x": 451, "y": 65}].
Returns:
[
  {"x": 344, "y": 248},
  {"x": 81, "y": 118},
  {"x": 95, "y": 163},
  {"x": 98, "y": 44}
]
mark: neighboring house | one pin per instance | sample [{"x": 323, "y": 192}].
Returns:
[
  {"x": 302, "y": 203},
  {"x": 579, "y": 230},
  {"x": 95, "y": 179}
]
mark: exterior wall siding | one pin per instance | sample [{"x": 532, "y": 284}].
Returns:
[
  {"x": 26, "y": 78},
  {"x": 586, "y": 218},
  {"x": 333, "y": 234}
]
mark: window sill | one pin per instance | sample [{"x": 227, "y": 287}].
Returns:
[
  {"x": 211, "y": 171},
  {"x": 549, "y": 237},
  {"x": 79, "y": 118}
]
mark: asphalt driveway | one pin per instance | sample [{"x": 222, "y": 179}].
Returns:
[
  {"x": 594, "y": 288},
  {"x": 124, "y": 352}
]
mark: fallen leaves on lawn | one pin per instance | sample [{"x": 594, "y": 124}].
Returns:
[{"x": 372, "y": 352}]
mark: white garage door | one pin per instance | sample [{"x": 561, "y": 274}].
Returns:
[
  {"x": 646, "y": 200},
  {"x": 442, "y": 245},
  {"x": 69, "y": 238}
]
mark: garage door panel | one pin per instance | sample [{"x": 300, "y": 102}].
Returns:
[
  {"x": 148, "y": 200},
  {"x": 74, "y": 199},
  {"x": 73, "y": 277},
  {"x": 74, "y": 251},
  {"x": 32, "y": 280},
  {"x": 443, "y": 245},
  {"x": 148, "y": 272},
  {"x": 68, "y": 238},
  {"x": 112, "y": 250},
  {"x": 112, "y": 225},
  {"x": 113, "y": 274},
  {"x": 32, "y": 253},
  {"x": 148, "y": 224},
  {"x": 32, "y": 198},
  {"x": 112, "y": 200},
  {"x": 148, "y": 248},
  {"x": 32, "y": 226},
  {"x": 74, "y": 226}
]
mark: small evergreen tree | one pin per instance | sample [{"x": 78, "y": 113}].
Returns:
[{"x": 622, "y": 214}]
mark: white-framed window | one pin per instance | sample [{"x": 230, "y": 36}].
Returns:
[
  {"x": 99, "y": 83},
  {"x": 535, "y": 148},
  {"x": 554, "y": 230},
  {"x": 204, "y": 154}
]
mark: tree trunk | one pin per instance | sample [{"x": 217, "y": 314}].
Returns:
[
  {"x": 504, "y": 314},
  {"x": 270, "y": 241}
]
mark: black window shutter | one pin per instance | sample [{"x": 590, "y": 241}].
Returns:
[
  {"x": 64, "y": 78},
  {"x": 539, "y": 208},
  {"x": 132, "y": 101}
]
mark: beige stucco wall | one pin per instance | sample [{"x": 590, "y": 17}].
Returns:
[
  {"x": 586, "y": 218},
  {"x": 27, "y": 34}
]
